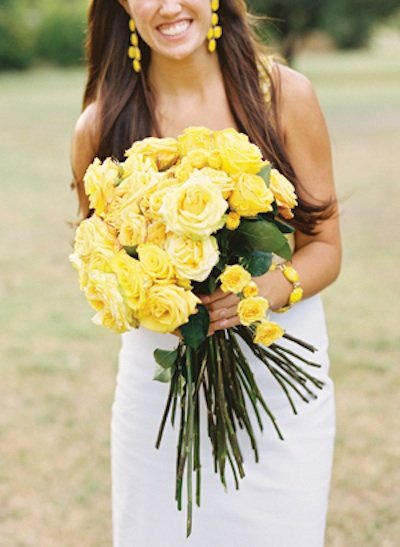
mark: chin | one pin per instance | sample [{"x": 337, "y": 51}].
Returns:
[{"x": 182, "y": 53}]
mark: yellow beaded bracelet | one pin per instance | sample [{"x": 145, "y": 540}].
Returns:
[{"x": 293, "y": 277}]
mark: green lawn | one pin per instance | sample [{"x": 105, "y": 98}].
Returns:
[{"x": 58, "y": 370}]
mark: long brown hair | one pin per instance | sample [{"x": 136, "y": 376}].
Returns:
[{"x": 125, "y": 103}]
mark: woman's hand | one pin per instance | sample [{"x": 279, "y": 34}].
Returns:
[{"x": 222, "y": 308}]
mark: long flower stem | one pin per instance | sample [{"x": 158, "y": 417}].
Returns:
[
  {"x": 189, "y": 440},
  {"x": 299, "y": 342},
  {"x": 250, "y": 378},
  {"x": 220, "y": 371}
]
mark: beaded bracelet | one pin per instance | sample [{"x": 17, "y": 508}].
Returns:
[{"x": 293, "y": 277}]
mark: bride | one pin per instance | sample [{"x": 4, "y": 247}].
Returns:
[{"x": 156, "y": 67}]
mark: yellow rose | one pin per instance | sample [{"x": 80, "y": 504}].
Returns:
[
  {"x": 192, "y": 259},
  {"x": 103, "y": 295},
  {"x": 250, "y": 290},
  {"x": 238, "y": 154},
  {"x": 195, "y": 208},
  {"x": 252, "y": 309},
  {"x": 117, "y": 323},
  {"x": 92, "y": 235},
  {"x": 197, "y": 158},
  {"x": 184, "y": 170},
  {"x": 163, "y": 150},
  {"x": 184, "y": 282},
  {"x": 100, "y": 260},
  {"x": 167, "y": 307},
  {"x": 214, "y": 159},
  {"x": 80, "y": 267},
  {"x": 155, "y": 203},
  {"x": 194, "y": 138},
  {"x": 127, "y": 197},
  {"x": 234, "y": 279},
  {"x": 138, "y": 163},
  {"x": 232, "y": 220},
  {"x": 284, "y": 193},
  {"x": 220, "y": 179},
  {"x": 268, "y": 332},
  {"x": 156, "y": 263},
  {"x": 250, "y": 195},
  {"x": 133, "y": 281},
  {"x": 133, "y": 186},
  {"x": 100, "y": 180},
  {"x": 156, "y": 233},
  {"x": 133, "y": 230},
  {"x": 152, "y": 195}
]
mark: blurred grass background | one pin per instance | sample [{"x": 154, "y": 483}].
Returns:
[{"x": 58, "y": 370}]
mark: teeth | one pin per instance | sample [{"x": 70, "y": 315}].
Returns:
[{"x": 175, "y": 29}]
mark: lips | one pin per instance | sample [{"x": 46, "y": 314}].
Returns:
[{"x": 175, "y": 29}]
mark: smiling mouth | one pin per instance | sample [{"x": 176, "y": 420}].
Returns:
[{"x": 176, "y": 29}]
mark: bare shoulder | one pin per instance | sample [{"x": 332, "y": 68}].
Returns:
[
  {"x": 86, "y": 127},
  {"x": 305, "y": 133},
  {"x": 297, "y": 100},
  {"x": 84, "y": 141},
  {"x": 83, "y": 151},
  {"x": 293, "y": 82}
]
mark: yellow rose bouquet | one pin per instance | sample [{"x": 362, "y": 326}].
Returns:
[{"x": 178, "y": 218}]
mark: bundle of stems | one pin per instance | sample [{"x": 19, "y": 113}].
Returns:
[{"x": 219, "y": 371}]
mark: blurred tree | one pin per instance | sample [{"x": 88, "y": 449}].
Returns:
[
  {"x": 41, "y": 30},
  {"x": 348, "y": 22},
  {"x": 289, "y": 20},
  {"x": 16, "y": 37},
  {"x": 61, "y": 35}
]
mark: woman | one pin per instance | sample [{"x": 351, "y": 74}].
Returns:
[{"x": 179, "y": 73}]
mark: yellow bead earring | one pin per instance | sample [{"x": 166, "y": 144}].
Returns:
[
  {"x": 134, "y": 52},
  {"x": 215, "y": 31}
]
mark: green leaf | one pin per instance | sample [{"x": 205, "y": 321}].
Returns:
[
  {"x": 223, "y": 237},
  {"x": 285, "y": 251},
  {"x": 195, "y": 331},
  {"x": 209, "y": 285},
  {"x": 162, "y": 374},
  {"x": 131, "y": 250},
  {"x": 284, "y": 228},
  {"x": 240, "y": 246},
  {"x": 221, "y": 264},
  {"x": 257, "y": 262},
  {"x": 262, "y": 235},
  {"x": 265, "y": 173},
  {"x": 165, "y": 358}
]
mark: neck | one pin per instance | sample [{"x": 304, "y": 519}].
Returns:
[{"x": 192, "y": 75}]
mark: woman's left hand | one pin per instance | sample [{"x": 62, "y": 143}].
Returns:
[{"x": 222, "y": 308}]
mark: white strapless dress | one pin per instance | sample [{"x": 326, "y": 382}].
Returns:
[{"x": 282, "y": 500}]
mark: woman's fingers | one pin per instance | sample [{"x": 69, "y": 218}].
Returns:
[
  {"x": 222, "y": 309},
  {"x": 225, "y": 301},
  {"x": 213, "y": 297},
  {"x": 224, "y": 324},
  {"x": 224, "y": 319},
  {"x": 228, "y": 309}
]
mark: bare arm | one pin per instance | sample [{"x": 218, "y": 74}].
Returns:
[
  {"x": 317, "y": 258},
  {"x": 82, "y": 153}
]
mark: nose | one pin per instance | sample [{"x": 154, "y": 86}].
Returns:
[{"x": 170, "y": 8}]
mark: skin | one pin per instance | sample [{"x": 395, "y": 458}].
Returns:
[{"x": 189, "y": 91}]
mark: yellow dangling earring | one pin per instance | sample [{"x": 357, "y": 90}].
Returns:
[
  {"x": 134, "y": 52},
  {"x": 215, "y": 31}
]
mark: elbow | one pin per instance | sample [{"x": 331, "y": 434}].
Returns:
[{"x": 337, "y": 263}]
